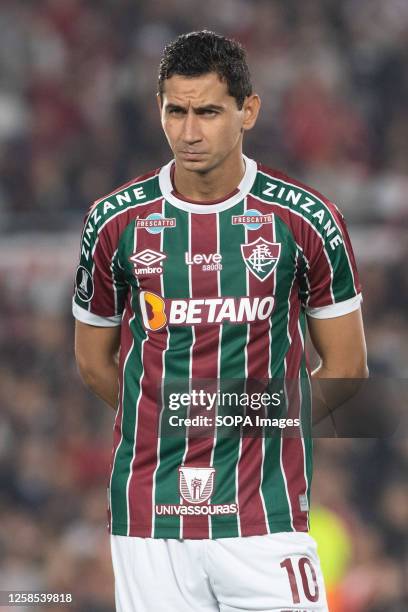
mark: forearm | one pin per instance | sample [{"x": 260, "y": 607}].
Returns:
[
  {"x": 331, "y": 388},
  {"x": 97, "y": 357},
  {"x": 104, "y": 382}
]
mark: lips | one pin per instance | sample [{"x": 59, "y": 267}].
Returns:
[{"x": 191, "y": 156}]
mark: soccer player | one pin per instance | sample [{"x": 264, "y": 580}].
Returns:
[{"x": 209, "y": 268}]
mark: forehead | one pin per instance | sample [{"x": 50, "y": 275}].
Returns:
[{"x": 200, "y": 90}]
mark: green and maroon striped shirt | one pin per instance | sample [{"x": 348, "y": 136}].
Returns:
[{"x": 215, "y": 291}]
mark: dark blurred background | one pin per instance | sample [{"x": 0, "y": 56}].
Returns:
[{"x": 78, "y": 117}]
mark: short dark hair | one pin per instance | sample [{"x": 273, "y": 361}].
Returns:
[{"x": 198, "y": 53}]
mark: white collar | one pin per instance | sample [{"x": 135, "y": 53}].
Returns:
[{"x": 244, "y": 187}]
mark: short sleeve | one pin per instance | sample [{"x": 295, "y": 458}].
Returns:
[
  {"x": 328, "y": 279},
  {"x": 100, "y": 286}
]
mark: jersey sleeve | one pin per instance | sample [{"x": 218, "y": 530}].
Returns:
[
  {"x": 100, "y": 286},
  {"x": 328, "y": 279}
]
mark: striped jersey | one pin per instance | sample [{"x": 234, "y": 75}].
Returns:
[{"x": 210, "y": 291}]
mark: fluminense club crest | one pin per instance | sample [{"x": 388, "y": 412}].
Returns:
[
  {"x": 261, "y": 257},
  {"x": 196, "y": 483}
]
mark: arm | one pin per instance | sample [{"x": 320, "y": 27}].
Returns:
[
  {"x": 340, "y": 343},
  {"x": 96, "y": 353}
]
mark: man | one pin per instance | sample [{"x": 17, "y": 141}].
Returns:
[{"x": 207, "y": 269}]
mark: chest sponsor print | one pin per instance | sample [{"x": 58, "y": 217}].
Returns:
[
  {"x": 155, "y": 223},
  {"x": 252, "y": 219},
  {"x": 157, "y": 312},
  {"x": 196, "y": 486},
  {"x": 207, "y": 262}
]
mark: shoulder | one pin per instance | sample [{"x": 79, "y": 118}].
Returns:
[
  {"x": 139, "y": 190},
  {"x": 115, "y": 209},
  {"x": 277, "y": 185},
  {"x": 297, "y": 201}
]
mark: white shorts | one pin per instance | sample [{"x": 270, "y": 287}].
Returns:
[{"x": 279, "y": 572}]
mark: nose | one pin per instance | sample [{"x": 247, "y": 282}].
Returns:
[{"x": 191, "y": 128}]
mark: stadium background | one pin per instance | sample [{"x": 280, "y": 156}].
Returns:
[{"x": 77, "y": 118}]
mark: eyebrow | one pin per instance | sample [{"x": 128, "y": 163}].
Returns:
[{"x": 212, "y": 107}]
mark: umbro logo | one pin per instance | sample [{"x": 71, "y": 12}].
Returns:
[{"x": 147, "y": 258}]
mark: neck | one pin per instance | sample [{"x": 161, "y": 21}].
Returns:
[{"x": 212, "y": 185}]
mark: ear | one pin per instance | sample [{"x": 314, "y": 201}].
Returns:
[
  {"x": 250, "y": 108},
  {"x": 159, "y": 100}
]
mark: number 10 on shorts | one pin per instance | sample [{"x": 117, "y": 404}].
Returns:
[{"x": 308, "y": 576}]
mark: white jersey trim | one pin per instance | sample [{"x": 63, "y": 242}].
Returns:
[
  {"x": 335, "y": 310},
  {"x": 92, "y": 319},
  {"x": 166, "y": 187}
]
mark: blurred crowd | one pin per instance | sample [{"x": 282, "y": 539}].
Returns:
[
  {"x": 78, "y": 84},
  {"x": 78, "y": 117}
]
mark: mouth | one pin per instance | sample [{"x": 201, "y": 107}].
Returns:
[{"x": 191, "y": 154}]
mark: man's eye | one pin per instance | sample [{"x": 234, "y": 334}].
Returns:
[{"x": 175, "y": 111}]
